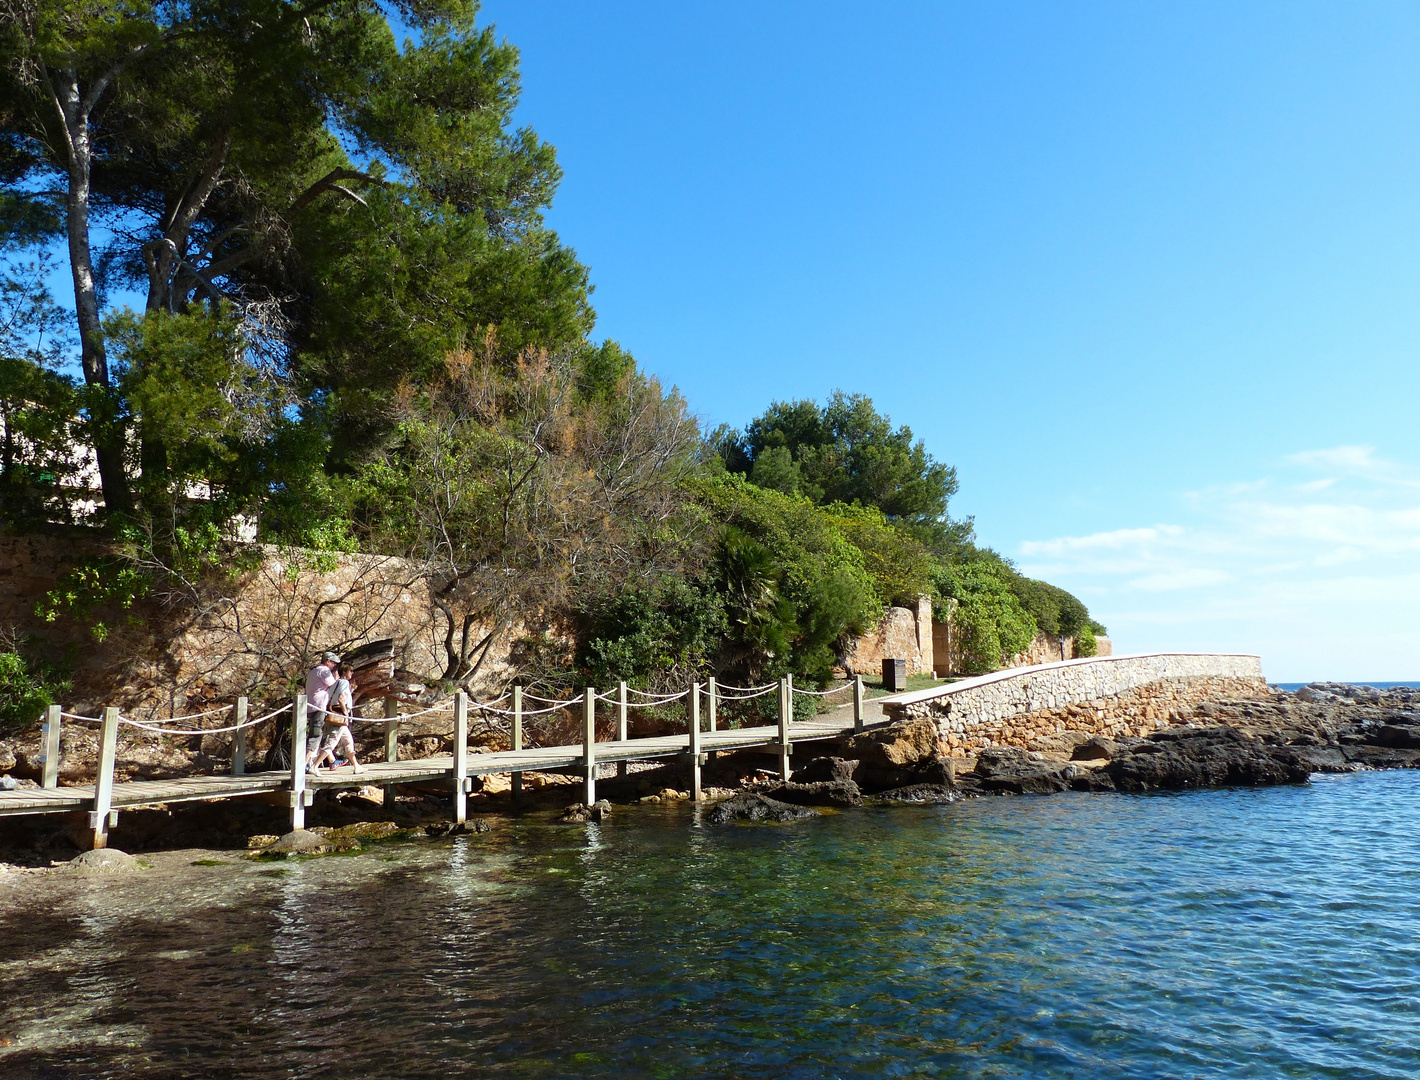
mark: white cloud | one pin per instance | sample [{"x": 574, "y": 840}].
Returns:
[{"x": 1321, "y": 569}]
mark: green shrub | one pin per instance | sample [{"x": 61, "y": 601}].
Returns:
[
  {"x": 1085, "y": 643},
  {"x": 26, "y": 690},
  {"x": 989, "y": 620}
]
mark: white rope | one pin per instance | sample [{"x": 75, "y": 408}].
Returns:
[
  {"x": 531, "y": 712},
  {"x": 440, "y": 707},
  {"x": 194, "y": 716},
  {"x": 85, "y": 719},
  {"x": 184, "y": 731},
  {"x": 823, "y": 693},
  {"x": 756, "y": 690},
  {"x": 745, "y": 697},
  {"x": 551, "y": 701},
  {"x": 277, "y": 712},
  {"x": 649, "y": 699}
]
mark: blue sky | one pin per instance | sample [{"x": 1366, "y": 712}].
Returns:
[{"x": 1145, "y": 274}]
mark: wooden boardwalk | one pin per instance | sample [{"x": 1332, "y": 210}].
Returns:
[{"x": 103, "y": 800}]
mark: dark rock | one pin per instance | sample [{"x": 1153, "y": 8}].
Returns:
[
  {"x": 1181, "y": 758},
  {"x": 1019, "y": 772},
  {"x": 479, "y": 826},
  {"x": 1380, "y": 757},
  {"x": 932, "y": 770},
  {"x": 581, "y": 813},
  {"x": 1394, "y": 735},
  {"x": 1091, "y": 780},
  {"x": 755, "y": 808},
  {"x": 825, "y": 770},
  {"x": 921, "y": 793},
  {"x": 818, "y": 793}
]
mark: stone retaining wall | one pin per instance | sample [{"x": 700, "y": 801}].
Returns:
[{"x": 1051, "y": 707}]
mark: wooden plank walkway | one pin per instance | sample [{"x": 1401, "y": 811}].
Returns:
[{"x": 25, "y": 801}]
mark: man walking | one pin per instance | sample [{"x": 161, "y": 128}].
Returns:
[{"x": 319, "y": 683}]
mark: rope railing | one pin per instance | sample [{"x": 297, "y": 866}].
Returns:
[
  {"x": 194, "y": 716},
  {"x": 549, "y": 701},
  {"x": 275, "y": 712},
  {"x": 530, "y": 729},
  {"x": 531, "y": 712},
  {"x": 719, "y": 693},
  {"x": 824, "y": 693},
  {"x": 190, "y": 731},
  {"x": 82, "y": 719},
  {"x": 756, "y": 690}
]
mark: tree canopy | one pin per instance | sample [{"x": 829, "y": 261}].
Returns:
[{"x": 355, "y": 330}]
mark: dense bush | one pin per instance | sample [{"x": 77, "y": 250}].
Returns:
[
  {"x": 991, "y": 624},
  {"x": 26, "y": 690}
]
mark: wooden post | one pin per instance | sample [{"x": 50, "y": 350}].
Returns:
[
  {"x": 103, "y": 816},
  {"x": 621, "y": 724},
  {"x": 49, "y": 747},
  {"x": 712, "y": 707},
  {"x": 392, "y": 729},
  {"x": 857, "y": 703},
  {"x": 391, "y": 746},
  {"x": 589, "y": 744},
  {"x": 517, "y": 738},
  {"x": 239, "y": 738},
  {"x": 786, "y": 717},
  {"x": 460, "y": 757},
  {"x": 695, "y": 742},
  {"x": 298, "y": 763}
]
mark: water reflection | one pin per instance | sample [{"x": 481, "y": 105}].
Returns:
[{"x": 1247, "y": 933}]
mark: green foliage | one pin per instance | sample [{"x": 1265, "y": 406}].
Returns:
[
  {"x": 1085, "y": 643},
  {"x": 103, "y": 581},
  {"x": 26, "y": 690},
  {"x": 206, "y": 414},
  {"x": 39, "y": 413},
  {"x": 665, "y": 634},
  {"x": 899, "y": 565},
  {"x": 989, "y": 620},
  {"x": 1055, "y": 611},
  {"x": 795, "y": 584},
  {"x": 848, "y": 452}
]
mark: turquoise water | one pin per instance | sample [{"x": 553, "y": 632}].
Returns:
[{"x": 1256, "y": 933}]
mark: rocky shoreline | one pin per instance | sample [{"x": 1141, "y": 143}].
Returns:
[{"x": 1281, "y": 738}]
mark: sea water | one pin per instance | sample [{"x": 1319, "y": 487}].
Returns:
[{"x": 1237, "y": 933}]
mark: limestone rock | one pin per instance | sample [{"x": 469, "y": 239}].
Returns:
[
  {"x": 102, "y": 861},
  {"x": 756, "y": 808},
  {"x": 298, "y": 842},
  {"x": 905, "y": 742},
  {"x": 361, "y": 830},
  {"x": 1099, "y": 748}
]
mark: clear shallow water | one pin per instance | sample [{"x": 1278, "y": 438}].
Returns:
[
  {"x": 1230, "y": 934},
  {"x": 1295, "y": 686}
]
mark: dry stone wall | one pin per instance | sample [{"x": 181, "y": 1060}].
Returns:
[
  {"x": 1051, "y": 707},
  {"x": 255, "y": 634}
]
